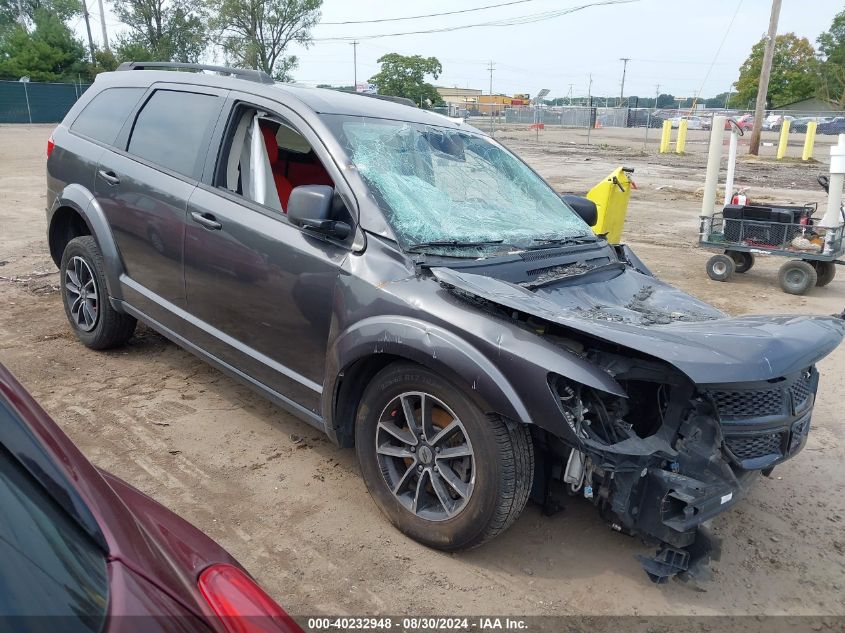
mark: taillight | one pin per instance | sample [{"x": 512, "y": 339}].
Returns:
[
  {"x": 50, "y": 146},
  {"x": 241, "y": 604}
]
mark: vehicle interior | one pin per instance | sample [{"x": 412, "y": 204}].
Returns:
[{"x": 268, "y": 158}]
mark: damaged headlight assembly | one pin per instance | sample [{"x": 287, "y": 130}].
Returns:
[{"x": 663, "y": 461}]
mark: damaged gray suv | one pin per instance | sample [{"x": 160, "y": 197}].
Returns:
[{"x": 410, "y": 287}]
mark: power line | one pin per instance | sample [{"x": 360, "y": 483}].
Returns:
[
  {"x": 428, "y": 15},
  {"x": 718, "y": 50},
  {"x": 526, "y": 19}
]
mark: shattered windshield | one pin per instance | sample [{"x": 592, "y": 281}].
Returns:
[{"x": 445, "y": 190}]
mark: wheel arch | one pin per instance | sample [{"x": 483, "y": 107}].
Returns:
[
  {"x": 364, "y": 350},
  {"x": 76, "y": 212}
]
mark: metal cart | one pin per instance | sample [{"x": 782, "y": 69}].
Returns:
[{"x": 743, "y": 231}]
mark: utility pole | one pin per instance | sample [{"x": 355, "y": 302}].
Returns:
[
  {"x": 624, "y": 61},
  {"x": 765, "y": 73},
  {"x": 570, "y": 93},
  {"x": 103, "y": 25},
  {"x": 88, "y": 28},
  {"x": 491, "y": 68},
  {"x": 354, "y": 63},
  {"x": 656, "y": 95}
]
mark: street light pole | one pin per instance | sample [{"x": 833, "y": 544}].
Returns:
[{"x": 765, "y": 73}]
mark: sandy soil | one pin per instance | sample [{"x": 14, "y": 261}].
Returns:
[{"x": 293, "y": 508}]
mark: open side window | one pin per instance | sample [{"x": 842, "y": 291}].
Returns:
[{"x": 265, "y": 158}]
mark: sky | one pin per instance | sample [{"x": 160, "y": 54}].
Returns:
[{"x": 687, "y": 47}]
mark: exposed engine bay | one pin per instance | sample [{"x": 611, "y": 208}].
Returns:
[
  {"x": 671, "y": 456},
  {"x": 701, "y": 405}
]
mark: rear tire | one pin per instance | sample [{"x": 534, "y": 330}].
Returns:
[
  {"x": 720, "y": 267},
  {"x": 744, "y": 261},
  {"x": 797, "y": 277},
  {"x": 85, "y": 297},
  {"x": 825, "y": 272},
  {"x": 408, "y": 475}
]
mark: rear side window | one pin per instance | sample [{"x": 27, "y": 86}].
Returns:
[
  {"x": 172, "y": 130},
  {"x": 103, "y": 117},
  {"x": 48, "y": 565}
]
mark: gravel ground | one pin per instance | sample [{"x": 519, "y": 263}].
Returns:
[{"x": 292, "y": 507}]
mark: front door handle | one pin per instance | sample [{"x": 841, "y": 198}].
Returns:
[
  {"x": 207, "y": 220},
  {"x": 109, "y": 176}
]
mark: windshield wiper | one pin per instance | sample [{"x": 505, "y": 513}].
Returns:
[
  {"x": 449, "y": 243},
  {"x": 576, "y": 272},
  {"x": 544, "y": 242}
]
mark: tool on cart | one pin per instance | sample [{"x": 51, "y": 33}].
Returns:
[{"x": 746, "y": 230}]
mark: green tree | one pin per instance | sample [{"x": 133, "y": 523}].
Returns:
[
  {"x": 10, "y": 11},
  {"x": 404, "y": 76},
  {"x": 666, "y": 101},
  {"x": 719, "y": 101},
  {"x": 832, "y": 66},
  {"x": 256, "y": 33},
  {"x": 49, "y": 53},
  {"x": 161, "y": 30},
  {"x": 794, "y": 72}
]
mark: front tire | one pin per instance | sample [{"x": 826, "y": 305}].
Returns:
[
  {"x": 83, "y": 284},
  {"x": 445, "y": 473}
]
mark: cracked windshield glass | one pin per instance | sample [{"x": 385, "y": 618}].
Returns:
[{"x": 455, "y": 193}]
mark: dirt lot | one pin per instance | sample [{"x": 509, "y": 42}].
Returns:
[{"x": 293, "y": 508}]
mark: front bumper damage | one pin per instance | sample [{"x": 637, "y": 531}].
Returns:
[
  {"x": 703, "y": 403},
  {"x": 712, "y": 443}
]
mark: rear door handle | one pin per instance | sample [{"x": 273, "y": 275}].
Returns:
[
  {"x": 207, "y": 220},
  {"x": 109, "y": 176}
]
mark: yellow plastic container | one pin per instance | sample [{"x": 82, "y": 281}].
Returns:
[{"x": 611, "y": 196}]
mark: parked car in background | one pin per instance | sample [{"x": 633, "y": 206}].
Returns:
[
  {"x": 745, "y": 122},
  {"x": 834, "y": 126},
  {"x": 777, "y": 125},
  {"x": 697, "y": 123},
  {"x": 799, "y": 125},
  {"x": 82, "y": 550}
]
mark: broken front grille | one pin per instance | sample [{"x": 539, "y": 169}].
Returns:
[
  {"x": 755, "y": 446},
  {"x": 801, "y": 390},
  {"x": 733, "y": 405}
]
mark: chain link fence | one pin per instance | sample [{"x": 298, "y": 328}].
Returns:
[{"x": 31, "y": 102}]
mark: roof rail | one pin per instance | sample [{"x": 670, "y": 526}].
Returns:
[
  {"x": 399, "y": 100},
  {"x": 257, "y": 76}
]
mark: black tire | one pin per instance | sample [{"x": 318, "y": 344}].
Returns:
[
  {"x": 744, "y": 261},
  {"x": 720, "y": 267},
  {"x": 109, "y": 328},
  {"x": 502, "y": 462},
  {"x": 825, "y": 272},
  {"x": 796, "y": 277}
]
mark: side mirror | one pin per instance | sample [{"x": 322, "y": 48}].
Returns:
[
  {"x": 584, "y": 207},
  {"x": 310, "y": 207}
]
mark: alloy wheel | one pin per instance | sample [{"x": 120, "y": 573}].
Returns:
[
  {"x": 82, "y": 294},
  {"x": 425, "y": 456}
]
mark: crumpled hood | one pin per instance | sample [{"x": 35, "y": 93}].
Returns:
[{"x": 647, "y": 315}]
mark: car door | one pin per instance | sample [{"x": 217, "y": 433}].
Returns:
[
  {"x": 143, "y": 187},
  {"x": 260, "y": 289}
]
